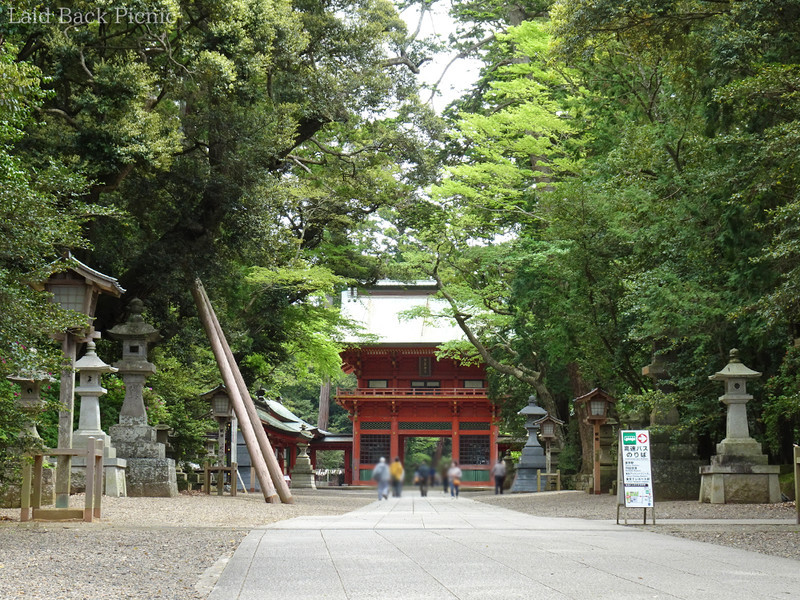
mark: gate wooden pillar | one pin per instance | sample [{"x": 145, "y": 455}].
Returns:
[
  {"x": 356, "y": 456},
  {"x": 394, "y": 441},
  {"x": 493, "y": 433},
  {"x": 348, "y": 466},
  {"x": 456, "y": 440}
]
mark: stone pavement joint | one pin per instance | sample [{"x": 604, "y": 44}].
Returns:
[{"x": 436, "y": 547}]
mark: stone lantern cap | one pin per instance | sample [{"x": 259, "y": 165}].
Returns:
[
  {"x": 91, "y": 362},
  {"x": 135, "y": 326},
  {"x": 533, "y": 409},
  {"x": 30, "y": 376},
  {"x": 735, "y": 369},
  {"x": 90, "y": 367}
]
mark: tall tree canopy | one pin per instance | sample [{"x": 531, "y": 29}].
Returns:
[
  {"x": 621, "y": 183},
  {"x": 621, "y": 180}
]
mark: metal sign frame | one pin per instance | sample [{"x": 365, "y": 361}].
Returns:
[{"x": 634, "y": 473}]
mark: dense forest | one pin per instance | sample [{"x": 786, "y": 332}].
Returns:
[{"x": 620, "y": 185}]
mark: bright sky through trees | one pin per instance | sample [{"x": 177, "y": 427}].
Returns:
[{"x": 460, "y": 75}]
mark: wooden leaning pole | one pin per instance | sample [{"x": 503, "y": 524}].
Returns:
[
  {"x": 269, "y": 476},
  {"x": 261, "y": 436}
]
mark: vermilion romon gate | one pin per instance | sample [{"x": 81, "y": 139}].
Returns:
[{"x": 404, "y": 391}]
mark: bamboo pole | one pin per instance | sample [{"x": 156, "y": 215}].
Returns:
[
  {"x": 245, "y": 423},
  {"x": 263, "y": 441}
]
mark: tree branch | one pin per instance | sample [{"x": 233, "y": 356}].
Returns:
[
  {"x": 403, "y": 60},
  {"x": 463, "y": 54}
]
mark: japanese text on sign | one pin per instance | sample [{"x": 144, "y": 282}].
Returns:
[{"x": 637, "y": 476}]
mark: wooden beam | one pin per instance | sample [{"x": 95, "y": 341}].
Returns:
[
  {"x": 261, "y": 436},
  {"x": 245, "y": 423}
]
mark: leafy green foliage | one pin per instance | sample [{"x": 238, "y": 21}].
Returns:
[
  {"x": 623, "y": 181},
  {"x": 782, "y": 406},
  {"x": 13, "y": 444},
  {"x": 251, "y": 143},
  {"x": 173, "y": 398}
]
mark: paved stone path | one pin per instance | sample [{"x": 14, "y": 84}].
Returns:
[{"x": 439, "y": 548}]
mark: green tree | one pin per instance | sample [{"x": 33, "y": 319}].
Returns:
[{"x": 238, "y": 138}]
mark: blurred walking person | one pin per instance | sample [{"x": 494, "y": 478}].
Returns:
[
  {"x": 396, "y": 471},
  {"x": 422, "y": 477},
  {"x": 381, "y": 475},
  {"x": 499, "y": 472},
  {"x": 454, "y": 475}
]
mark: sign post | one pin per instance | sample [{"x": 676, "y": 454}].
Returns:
[{"x": 634, "y": 473}]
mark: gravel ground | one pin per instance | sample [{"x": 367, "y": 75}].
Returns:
[
  {"x": 143, "y": 548},
  {"x": 777, "y": 539},
  {"x": 146, "y": 548}
]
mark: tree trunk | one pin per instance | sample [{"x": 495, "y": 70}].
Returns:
[{"x": 579, "y": 387}]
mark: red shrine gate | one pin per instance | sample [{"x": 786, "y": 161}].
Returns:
[{"x": 404, "y": 391}]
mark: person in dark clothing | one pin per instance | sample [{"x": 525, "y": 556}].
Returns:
[
  {"x": 422, "y": 477},
  {"x": 499, "y": 472}
]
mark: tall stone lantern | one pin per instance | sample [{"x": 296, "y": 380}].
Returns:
[
  {"x": 533, "y": 456},
  {"x": 90, "y": 368},
  {"x": 739, "y": 472},
  {"x": 150, "y": 472}
]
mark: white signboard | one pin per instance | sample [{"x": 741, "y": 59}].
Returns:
[{"x": 637, "y": 478}]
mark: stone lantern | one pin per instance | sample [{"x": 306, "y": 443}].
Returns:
[
  {"x": 30, "y": 400},
  {"x": 136, "y": 336},
  {"x": 90, "y": 368},
  {"x": 533, "y": 458},
  {"x": 739, "y": 472},
  {"x": 150, "y": 472},
  {"x": 737, "y": 432},
  {"x": 303, "y": 473}
]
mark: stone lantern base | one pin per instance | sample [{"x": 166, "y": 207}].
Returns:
[
  {"x": 114, "y": 482},
  {"x": 743, "y": 478},
  {"x": 150, "y": 473},
  {"x": 532, "y": 460},
  {"x": 152, "y": 478}
]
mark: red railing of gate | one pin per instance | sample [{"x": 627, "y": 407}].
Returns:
[{"x": 405, "y": 392}]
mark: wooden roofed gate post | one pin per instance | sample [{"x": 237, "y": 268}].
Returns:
[{"x": 255, "y": 437}]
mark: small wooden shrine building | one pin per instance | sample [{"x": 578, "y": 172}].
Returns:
[
  {"x": 404, "y": 391},
  {"x": 285, "y": 430}
]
